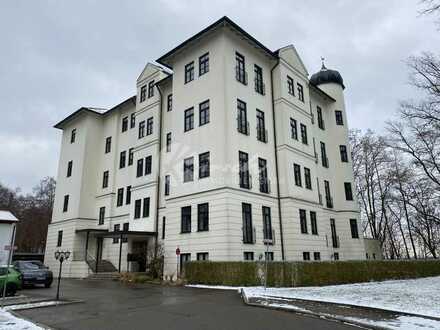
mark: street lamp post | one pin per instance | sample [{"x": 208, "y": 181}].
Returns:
[{"x": 60, "y": 256}]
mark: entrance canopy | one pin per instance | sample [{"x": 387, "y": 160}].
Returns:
[
  {"x": 105, "y": 233},
  {"x": 126, "y": 233}
]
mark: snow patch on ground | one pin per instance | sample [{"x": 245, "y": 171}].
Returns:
[
  {"x": 402, "y": 322},
  {"x": 32, "y": 305},
  {"x": 214, "y": 287},
  {"x": 11, "y": 322},
  {"x": 418, "y": 296}
]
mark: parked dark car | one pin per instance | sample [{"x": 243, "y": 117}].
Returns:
[{"x": 34, "y": 272}]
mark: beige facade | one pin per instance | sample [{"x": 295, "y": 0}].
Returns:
[{"x": 230, "y": 234}]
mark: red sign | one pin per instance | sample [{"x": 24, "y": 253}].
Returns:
[{"x": 177, "y": 251}]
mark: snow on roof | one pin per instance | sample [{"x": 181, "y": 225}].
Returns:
[
  {"x": 99, "y": 110},
  {"x": 7, "y": 216}
]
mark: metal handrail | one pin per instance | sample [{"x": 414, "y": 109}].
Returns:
[{"x": 78, "y": 255}]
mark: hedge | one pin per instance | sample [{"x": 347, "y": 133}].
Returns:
[{"x": 290, "y": 274}]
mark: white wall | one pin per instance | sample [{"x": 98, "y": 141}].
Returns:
[
  {"x": 220, "y": 137},
  {"x": 5, "y": 240}
]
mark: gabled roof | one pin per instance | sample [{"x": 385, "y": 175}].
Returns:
[
  {"x": 291, "y": 56},
  {"x": 7, "y": 216},
  {"x": 150, "y": 69},
  {"x": 320, "y": 92},
  {"x": 80, "y": 111},
  {"x": 219, "y": 23},
  {"x": 131, "y": 100},
  {"x": 94, "y": 111}
]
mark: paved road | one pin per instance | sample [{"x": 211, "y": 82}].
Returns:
[{"x": 112, "y": 305}]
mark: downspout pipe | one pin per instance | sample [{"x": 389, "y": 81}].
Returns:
[
  {"x": 276, "y": 162},
  {"x": 156, "y": 225}
]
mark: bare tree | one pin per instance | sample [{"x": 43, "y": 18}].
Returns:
[
  {"x": 34, "y": 212},
  {"x": 430, "y": 7},
  {"x": 370, "y": 163}
]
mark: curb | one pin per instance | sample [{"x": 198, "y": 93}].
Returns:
[
  {"x": 60, "y": 303},
  {"x": 333, "y": 318},
  {"x": 364, "y": 307}
]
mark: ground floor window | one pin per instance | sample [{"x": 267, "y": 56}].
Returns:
[
  {"x": 248, "y": 256},
  {"x": 202, "y": 256},
  {"x": 60, "y": 238},
  {"x": 184, "y": 258},
  {"x": 316, "y": 256},
  {"x": 115, "y": 229},
  {"x": 306, "y": 256},
  {"x": 125, "y": 228},
  {"x": 336, "y": 256},
  {"x": 268, "y": 256}
]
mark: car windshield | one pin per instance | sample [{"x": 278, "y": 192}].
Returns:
[{"x": 30, "y": 266}]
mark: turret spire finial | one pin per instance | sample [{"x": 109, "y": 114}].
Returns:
[{"x": 323, "y": 64}]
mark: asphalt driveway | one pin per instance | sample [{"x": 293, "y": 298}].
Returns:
[{"x": 112, "y": 305}]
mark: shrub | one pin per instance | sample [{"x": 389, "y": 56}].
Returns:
[{"x": 290, "y": 274}]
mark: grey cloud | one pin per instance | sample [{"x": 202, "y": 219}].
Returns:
[{"x": 56, "y": 56}]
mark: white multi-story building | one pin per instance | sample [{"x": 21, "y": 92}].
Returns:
[{"x": 226, "y": 144}]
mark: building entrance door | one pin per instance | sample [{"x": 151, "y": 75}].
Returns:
[
  {"x": 139, "y": 250},
  {"x": 99, "y": 242}
]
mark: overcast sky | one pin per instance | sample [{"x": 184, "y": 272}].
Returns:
[{"x": 56, "y": 56}]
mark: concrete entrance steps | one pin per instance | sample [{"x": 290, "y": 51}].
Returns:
[
  {"x": 104, "y": 266},
  {"x": 112, "y": 276}
]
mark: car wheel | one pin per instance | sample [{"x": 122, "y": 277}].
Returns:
[
  {"x": 47, "y": 285},
  {"x": 11, "y": 289}
]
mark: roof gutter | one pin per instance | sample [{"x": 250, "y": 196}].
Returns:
[{"x": 276, "y": 162}]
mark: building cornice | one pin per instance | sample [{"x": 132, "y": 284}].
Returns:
[{"x": 282, "y": 100}]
